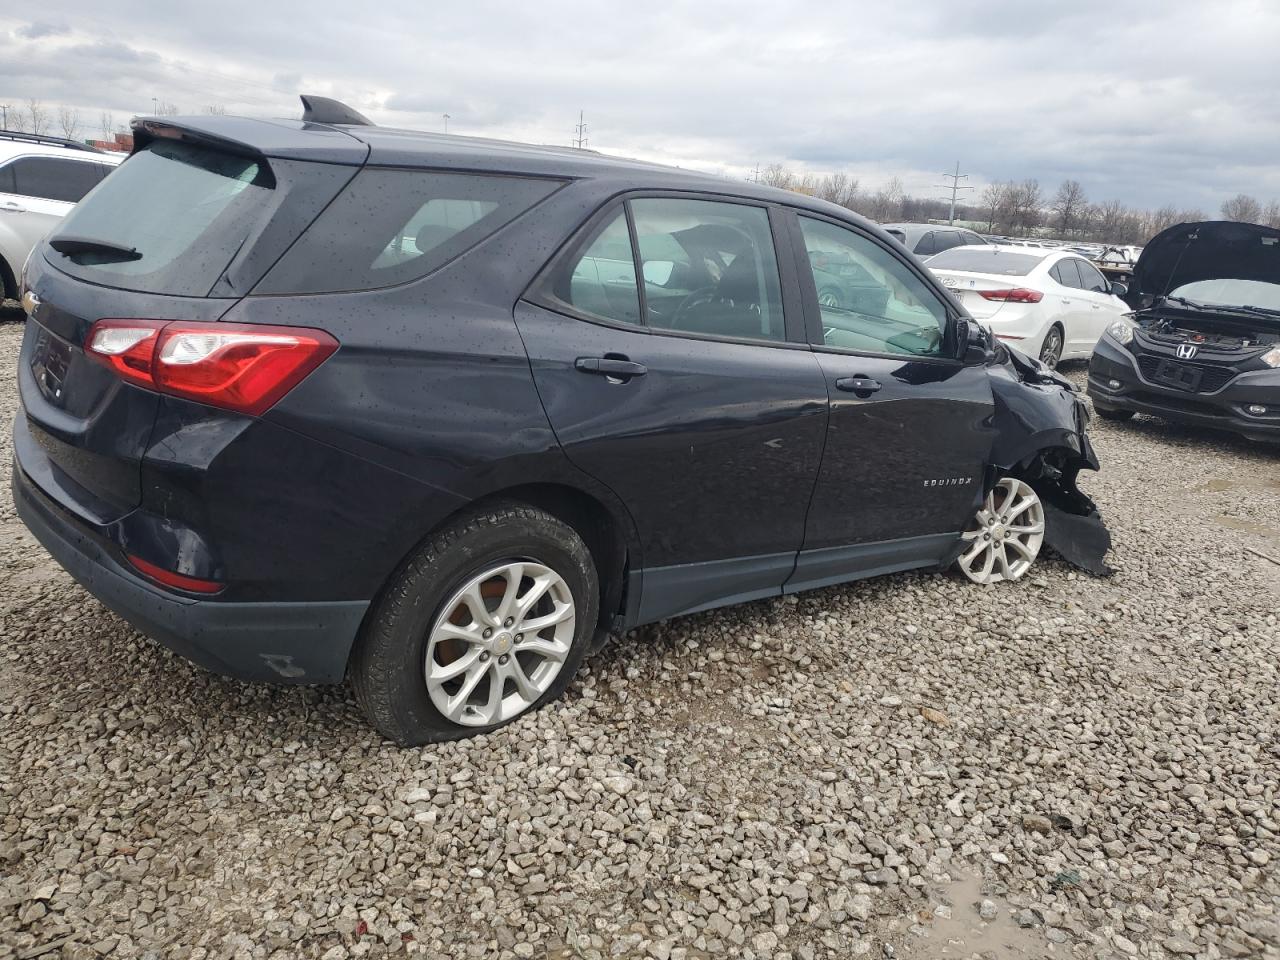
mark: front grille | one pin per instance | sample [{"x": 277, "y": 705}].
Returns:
[{"x": 1212, "y": 378}]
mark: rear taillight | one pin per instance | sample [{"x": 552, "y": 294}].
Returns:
[
  {"x": 167, "y": 578},
  {"x": 1014, "y": 295},
  {"x": 238, "y": 366}
]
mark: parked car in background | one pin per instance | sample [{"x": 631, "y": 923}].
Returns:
[
  {"x": 926, "y": 239},
  {"x": 41, "y": 179},
  {"x": 312, "y": 399},
  {"x": 1203, "y": 346},
  {"x": 1051, "y": 304}
]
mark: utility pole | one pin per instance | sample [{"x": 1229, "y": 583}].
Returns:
[
  {"x": 755, "y": 177},
  {"x": 580, "y": 132},
  {"x": 446, "y": 123},
  {"x": 955, "y": 186},
  {"x": 4, "y": 109},
  {"x": 155, "y": 105}
]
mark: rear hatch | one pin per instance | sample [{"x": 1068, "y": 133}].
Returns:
[{"x": 180, "y": 231}]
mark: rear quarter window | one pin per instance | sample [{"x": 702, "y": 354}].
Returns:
[{"x": 391, "y": 226}]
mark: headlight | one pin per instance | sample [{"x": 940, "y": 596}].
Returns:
[
  {"x": 1272, "y": 357},
  {"x": 1121, "y": 332}
]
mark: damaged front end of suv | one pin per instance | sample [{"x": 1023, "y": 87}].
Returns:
[
  {"x": 1202, "y": 346},
  {"x": 1041, "y": 439}
]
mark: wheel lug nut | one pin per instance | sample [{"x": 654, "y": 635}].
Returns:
[
  {"x": 519, "y": 638},
  {"x": 509, "y": 621},
  {"x": 484, "y": 656},
  {"x": 503, "y": 659},
  {"x": 488, "y": 632},
  {"x": 986, "y": 536}
]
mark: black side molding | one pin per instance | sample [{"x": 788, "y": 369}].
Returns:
[{"x": 327, "y": 110}]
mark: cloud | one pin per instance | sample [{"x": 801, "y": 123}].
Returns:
[
  {"x": 1169, "y": 103},
  {"x": 37, "y": 29}
]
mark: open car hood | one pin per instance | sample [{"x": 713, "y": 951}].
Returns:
[{"x": 1208, "y": 250}]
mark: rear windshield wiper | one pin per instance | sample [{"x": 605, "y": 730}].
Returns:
[{"x": 73, "y": 245}]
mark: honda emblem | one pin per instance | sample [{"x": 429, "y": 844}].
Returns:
[{"x": 1187, "y": 350}]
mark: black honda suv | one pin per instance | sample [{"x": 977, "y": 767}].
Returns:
[
  {"x": 310, "y": 399},
  {"x": 1203, "y": 345}
]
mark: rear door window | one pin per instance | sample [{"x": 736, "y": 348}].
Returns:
[
  {"x": 184, "y": 210},
  {"x": 601, "y": 280},
  {"x": 391, "y": 226},
  {"x": 51, "y": 178},
  {"x": 709, "y": 267}
]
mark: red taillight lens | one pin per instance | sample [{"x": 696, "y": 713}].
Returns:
[
  {"x": 127, "y": 347},
  {"x": 1015, "y": 295},
  {"x": 242, "y": 367},
  {"x": 168, "y": 578}
]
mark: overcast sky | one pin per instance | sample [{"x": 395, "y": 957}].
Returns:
[{"x": 1148, "y": 102}]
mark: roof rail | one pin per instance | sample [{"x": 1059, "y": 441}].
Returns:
[
  {"x": 22, "y": 137},
  {"x": 327, "y": 110}
]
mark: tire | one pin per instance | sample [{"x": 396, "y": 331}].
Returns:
[
  {"x": 1051, "y": 347},
  {"x": 389, "y": 665},
  {"x": 830, "y": 297},
  {"x": 1011, "y": 518},
  {"x": 1113, "y": 413}
]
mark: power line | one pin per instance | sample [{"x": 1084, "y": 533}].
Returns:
[
  {"x": 955, "y": 186},
  {"x": 580, "y": 132}
]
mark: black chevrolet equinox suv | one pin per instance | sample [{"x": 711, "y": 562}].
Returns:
[{"x": 310, "y": 399}]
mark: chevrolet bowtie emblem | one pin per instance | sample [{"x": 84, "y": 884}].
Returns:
[{"x": 30, "y": 303}]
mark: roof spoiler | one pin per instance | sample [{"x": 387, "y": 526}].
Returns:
[{"x": 327, "y": 110}]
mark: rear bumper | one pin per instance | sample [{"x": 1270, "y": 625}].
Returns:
[
  {"x": 1225, "y": 409},
  {"x": 282, "y": 642}
]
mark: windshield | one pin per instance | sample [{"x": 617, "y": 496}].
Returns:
[
  {"x": 185, "y": 210},
  {"x": 986, "y": 259},
  {"x": 1231, "y": 292}
]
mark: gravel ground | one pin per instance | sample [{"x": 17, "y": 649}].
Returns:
[{"x": 911, "y": 766}]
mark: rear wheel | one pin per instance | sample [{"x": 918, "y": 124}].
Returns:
[
  {"x": 1051, "y": 348},
  {"x": 489, "y": 621},
  {"x": 1004, "y": 538}
]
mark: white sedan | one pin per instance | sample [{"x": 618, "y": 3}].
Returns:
[{"x": 1051, "y": 304}]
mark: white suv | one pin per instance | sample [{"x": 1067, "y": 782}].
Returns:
[{"x": 41, "y": 179}]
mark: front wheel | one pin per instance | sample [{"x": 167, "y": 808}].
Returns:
[
  {"x": 1004, "y": 538},
  {"x": 488, "y": 621}
]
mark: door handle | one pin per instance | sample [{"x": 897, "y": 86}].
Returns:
[
  {"x": 12, "y": 208},
  {"x": 619, "y": 367},
  {"x": 1097, "y": 306},
  {"x": 1066, "y": 299},
  {"x": 862, "y": 386}
]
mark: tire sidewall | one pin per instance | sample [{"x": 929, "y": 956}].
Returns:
[{"x": 426, "y": 586}]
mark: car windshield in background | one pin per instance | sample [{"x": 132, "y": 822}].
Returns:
[
  {"x": 986, "y": 260},
  {"x": 1233, "y": 293},
  {"x": 185, "y": 210}
]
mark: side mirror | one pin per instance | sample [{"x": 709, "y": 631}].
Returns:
[
  {"x": 1119, "y": 289},
  {"x": 975, "y": 343}
]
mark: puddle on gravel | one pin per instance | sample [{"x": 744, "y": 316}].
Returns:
[
  {"x": 965, "y": 934},
  {"x": 1248, "y": 526}
]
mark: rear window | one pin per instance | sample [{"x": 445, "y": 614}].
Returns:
[
  {"x": 393, "y": 225},
  {"x": 184, "y": 209},
  {"x": 987, "y": 260}
]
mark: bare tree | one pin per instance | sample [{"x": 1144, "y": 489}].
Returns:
[
  {"x": 215, "y": 109},
  {"x": 1024, "y": 205},
  {"x": 1068, "y": 206},
  {"x": 1243, "y": 208},
  {"x": 994, "y": 198},
  {"x": 166, "y": 109},
  {"x": 1161, "y": 219},
  {"x": 1271, "y": 215},
  {"x": 69, "y": 121},
  {"x": 776, "y": 175},
  {"x": 37, "y": 117},
  {"x": 108, "y": 123}
]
